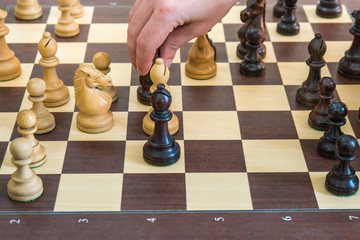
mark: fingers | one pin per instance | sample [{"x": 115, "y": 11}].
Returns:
[{"x": 134, "y": 9}]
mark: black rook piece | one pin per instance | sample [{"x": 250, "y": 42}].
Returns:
[
  {"x": 307, "y": 94},
  {"x": 341, "y": 180},
  {"x": 161, "y": 149},
  {"x": 252, "y": 65},
  {"x": 349, "y": 65},
  {"x": 288, "y": 24},
  {"x": 318, "y": 116},
  {"x": 336, "y": 118},
  {"x": 329, "y": 8},
  {"x": 143, "y": 91},
  {"x": 253, "y": 16},
  {"x": 279, "y": 9}
]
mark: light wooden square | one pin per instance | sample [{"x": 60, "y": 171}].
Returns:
[
  {"x": 304, "y": 131},
  {"x": 310, "y": 11},
  {"x": 306, "y": 33},
  {"x": 116, "y": 133},
  {"x": 120, "y": 74},
  {"x": 8, "y": 120},
  {"x": 261, "y": 98},
  {"x": 108, "y": 33},
  {"x": 217, "y": 33},
  {"x": 218, "y": 191},
  {"x": 206, "y": 125},
  {"x": 55, "y": 154},
  {"x": 135, "y": 163},
  {"x": 222, "y": 78},
  {"x": 274, "y": 156},
  {"x": 69, "y": 52},
  {"x": 55, "y": 14},
  {"x": 336, "y": 50},
  {"x": 25, "y": 32},
  {"x": 89, "y": 192},
  {"x": 327, "y": 200},
  {"x": 350, "y": 95},
  {"x": 22, "y": 80},
  {"x": 233, "y": 16},
  {"x": 233, "y": 58}
]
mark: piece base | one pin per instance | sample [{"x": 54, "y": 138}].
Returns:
[
  {"x": 45, "y": 130},
  {"x": 11, "y": 76},
  {"x": 200, "y": 76},
  {"x": 58, "y": 103}
]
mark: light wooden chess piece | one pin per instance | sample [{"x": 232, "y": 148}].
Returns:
[
  {"x": 28, "y": 10},
  {"x": 77, "y": 10},
  {"x": 94, "y": 104},
  {"x": 26, "y": 119},
  {"x": 101, "y": 61},
  {"x": 45, "y": 121},
  {"x": 159, "y": 73},
  {"x": 66, "y": 26},
  {"x": 24, "y": 185},
  {"x": 201, "y": 64},
  {"x": 9, "y": 64},
  {"x": 57, "y": 93}
]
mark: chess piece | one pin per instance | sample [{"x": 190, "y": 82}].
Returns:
[
  {"x": 201, "y": 64},
  {"x": 288, "y": 24},
  {"x": 26, "y": 119},
  {"x": 161, "y": 149},
  {"x": 337, "y": 112},
  {"x": 253, "y": 16},
  {"x": 45, "y": 121},
  {"x": 143, "y": 91},
  {"x": 211, "y": 44},
  {"x": 329, "y": 8},
  {"x": 9, "y": 64},
  {"x": 66, "y": 26},
  {"x": 342, "y": 180},
  {"x": 318, "y": 116},
  {"x": 252, "y": 65},
  {"x": 94, "y": 115},
  {"x": 358, "y": 116},
  {"x": 24, "y": 185},
  {"x": 349, "y": 65},
  {"x": 101, "y": 61},
  {"x": 279, "y": 9},
  {"x": 57, "y": 93},
  {"x": 28, "y": 10},
  {"x": 77, "y": 10},
  {"x": 159, "y": 74},
  {"x": 307, "y": 94}
]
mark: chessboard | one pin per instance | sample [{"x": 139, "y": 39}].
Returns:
[{"x": 247, "y": 152}]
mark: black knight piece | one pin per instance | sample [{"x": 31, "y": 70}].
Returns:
[
  {"x": 307, "y": 94},
  {"x": 288, "y": 24},
  {"x": 342, "y": 180},
  {"x": 279, "y": 9},
  {"x": 336, "y": 117},
  {"x": 349, "y": 65},
  {"x": 329, "y": 8},
  {"x": 161, "y": 149}
]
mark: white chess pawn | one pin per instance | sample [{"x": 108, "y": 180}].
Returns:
[
  {"x": 28, "y": 10},
  {"x": 66, "y": 26},
  {"x": 77, "y": 10}
]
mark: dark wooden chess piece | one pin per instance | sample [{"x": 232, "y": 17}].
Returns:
[
  {"x": 161, "y": 149},
  {"x": 253, "y": 16},
  {"x": 358, "y": 116},
  {"x": 329, "y": 8},
  {"x": 279, "y": 9},
  {"x": 252, "y": 64},
  {"x": 349, "y": 65},
  {"x": 318, "y": 116},
  {"x": 307, "y": 94},
  {"x": 336, "y": 118},
  {"x": 342, "y": 180},
  {"x": 211, "y": 44},
  {"x": 143, "y": 91},
  {"x": 288, "y": 24}
]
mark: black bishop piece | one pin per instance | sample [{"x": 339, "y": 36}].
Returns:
[
  {"x": 342, "y": 180},
  {"x": 161, "y": 149}
]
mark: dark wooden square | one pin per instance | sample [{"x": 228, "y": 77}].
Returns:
[
  {"x": 81, "y": 37},
  {"x": 271, "y": 76},
  {"x": 153, "y": 192},
  {"x": 214, "y": 156},
  {"x": 267, "y": 125},
  {"x": 333, "y": 31},
  {"x": 122, "y": 103},
  {"x": 118, "y": 51},
  {"x": 26, "y": 53},
  {"x": 11, "y": 98},
  {"x": 291, "y": 51},
  {"x": 230, "y": 31},
  {"x": 3, "y": 147},
  {"x": 281, "y": 191},
  {"x": 338, "y": 79},
  {"x": 355, "y": 122},
  {"x": 111, "y": 15},
  {"x": 65, "y": 72},
  {"x": 43, "y": 19}
]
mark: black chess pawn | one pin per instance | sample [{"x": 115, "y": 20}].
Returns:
[
  {"x": 143, "y": 91},
  {"x": 337, "y": 112},
  {"x": 279, "y": 9},
  {"x": 342, "y": 180},
  {"x": 288, "y": 24},
  {"x": 252, "y": 65},
  {"x": 211, "y": 44},
  {"x": 349, "y": 65},
  {"x": 329, "y": 8},
  {"x": 318, "y": 116},
  {"x": 161, "y": 149},
  {"x": 307, "y": 94}
]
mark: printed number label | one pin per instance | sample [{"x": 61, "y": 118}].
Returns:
[
  {"x": 353, "y": 217},
  {"x": 13, "y": 221},
  {"x": 219, "y": 218},
  {"x": 152, "y": 220},
  {"x": 287, "y": 218},
  {"x": 84, "y": 220}
]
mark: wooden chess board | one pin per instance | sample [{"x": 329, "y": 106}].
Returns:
[{"x": 248, "y": 156}]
